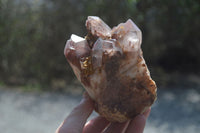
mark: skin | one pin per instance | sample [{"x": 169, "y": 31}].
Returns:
[{"x": 76, "y": 121}]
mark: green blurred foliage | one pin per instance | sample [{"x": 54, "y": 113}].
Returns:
[{"x": 33, "y": 35}]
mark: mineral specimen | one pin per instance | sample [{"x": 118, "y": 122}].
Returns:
[{"x": 110, "y": 65}]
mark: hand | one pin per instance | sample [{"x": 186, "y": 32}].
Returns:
[{"x": 76, "y": 121}]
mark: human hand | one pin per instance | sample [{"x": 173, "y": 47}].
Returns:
[{"x": 76, "y": 121}]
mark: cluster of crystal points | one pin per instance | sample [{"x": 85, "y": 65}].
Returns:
[{"x": 109, "y": 64}]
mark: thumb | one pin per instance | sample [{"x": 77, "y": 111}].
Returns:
[{"x": 76, "y": 120}]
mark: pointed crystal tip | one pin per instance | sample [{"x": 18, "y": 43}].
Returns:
[
  {"x": 97, "y": 27},
  {"x": 76, "y": 38}
]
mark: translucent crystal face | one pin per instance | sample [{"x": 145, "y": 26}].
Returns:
[
  {"x": 110, "y": 65},
  {"x": 128, "y": 35},
  {"x": 97, "y": 27}
]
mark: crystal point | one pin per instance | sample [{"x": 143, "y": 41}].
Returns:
[{"x": 97, "y": 27}]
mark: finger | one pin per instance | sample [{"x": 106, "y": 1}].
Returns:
[
  {"x": 77, "y": 118},
  {"x": 125, "y": 127},
  {"x": 116, "y": 127},
  {"x": 147, "y": 113},
  {"x": 137, "y": 125},
  {"x": 96, "y": 125}
]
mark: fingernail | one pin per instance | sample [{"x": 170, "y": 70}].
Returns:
[
  {"x": 147, "y": 113},
  {"x": 141, "y": 117},
  {"x": 85, "y": 97}
]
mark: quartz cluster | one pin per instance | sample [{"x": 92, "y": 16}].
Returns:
[{"x": 110, "y": 65}]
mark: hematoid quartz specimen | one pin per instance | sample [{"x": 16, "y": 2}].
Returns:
[{"x": 110, "y": 65}]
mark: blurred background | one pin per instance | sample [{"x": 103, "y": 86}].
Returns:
[{"x": 33, "y": 34}]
